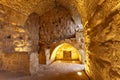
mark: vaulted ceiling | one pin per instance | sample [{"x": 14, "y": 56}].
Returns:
[
  {"x": 86, "y": 8},
  {"x": 100, "y": 18},
  {"x": 26, "y": 7}
]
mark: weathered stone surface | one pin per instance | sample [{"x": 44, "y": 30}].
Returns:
[
  {"x": 13, "y": 38},
  {"x": 20, "y": 62},
  {"x": 27, "y": 7},
  {"x": 16, "y": 62},
  {"x": 9, "y": 15},
  {"x": 77, "y": 9},
  {"x": 102, "y": 42},
  {"x": 32, "y": 29},
  {"x": 17, "y": 38},
  {"x": 34, "y": 62},
  {"x": 56, "y": 25},
  {"x": 101, "y": 19}
]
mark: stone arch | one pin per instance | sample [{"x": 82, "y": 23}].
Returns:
[
  {"x": 75, "y": 53},
  {"x": 60, "y": 24}
]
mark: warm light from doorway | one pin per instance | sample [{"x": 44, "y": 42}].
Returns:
[
  {"x": 59, "y": 61},
  {"x": 79, "y": 73},
  {"x": 73, "y": 61},
  {"x": 58, "y": 53}
]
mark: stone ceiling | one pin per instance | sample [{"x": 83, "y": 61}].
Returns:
[
  {"x": 86, "y": 8},
  {"x": 28, "y": 6},
  {"x": 40, "y": 6}
]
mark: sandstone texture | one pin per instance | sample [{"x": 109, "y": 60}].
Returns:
[
  {"x": 15, "y": 62},
  {"x": 57, "y": 25},
  {"x": 102, "y": 42},
  {"x": 26, "y": 7},
  {"x": 33, "y": 25}
]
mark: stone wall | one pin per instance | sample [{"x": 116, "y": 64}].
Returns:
[
  {"x": 9, "y": 15},
  {"x": 26, "y": 7},
  {"x": 13, "y": 36},
  {"x": 103, "y": 42},
  {"x": 20, "y": 62},
  {"x": 16, "y": 62},
  {"x": 56, "y": 25},
  {"x": 33, "y": 62},
  {"x": 18, "y": 34},
  {"x": 32, "y": 30},
  {"x": 18, "y": 42},
  {"x": 73, "y": 42}
]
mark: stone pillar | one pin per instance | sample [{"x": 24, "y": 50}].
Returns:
[
  {"x": 80, "y": 38},
  {"x": 47, "y": 54},
  {"x": 80, "y": 41},
  {"x": 34, "y": 62},
  {"x": 82, "y": 55}
]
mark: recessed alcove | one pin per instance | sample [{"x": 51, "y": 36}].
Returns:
[{"x": 66, "y": 52}]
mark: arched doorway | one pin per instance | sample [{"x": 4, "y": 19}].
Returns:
[{"x": 66, "y": 52}]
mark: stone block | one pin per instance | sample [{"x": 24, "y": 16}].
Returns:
[{"x": 19, "y": 62}]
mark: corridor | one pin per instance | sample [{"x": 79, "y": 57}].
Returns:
[
  {"x": 55, "y": 71},
  {"x": 43, "y": 39}
]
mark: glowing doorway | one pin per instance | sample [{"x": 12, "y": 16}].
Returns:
[{"x": 65, "y": 52}]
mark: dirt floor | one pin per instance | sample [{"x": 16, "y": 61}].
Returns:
[{"x": 55, "y": 71}]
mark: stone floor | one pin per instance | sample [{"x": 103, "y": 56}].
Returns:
[{"x": 55, "y": 71}]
